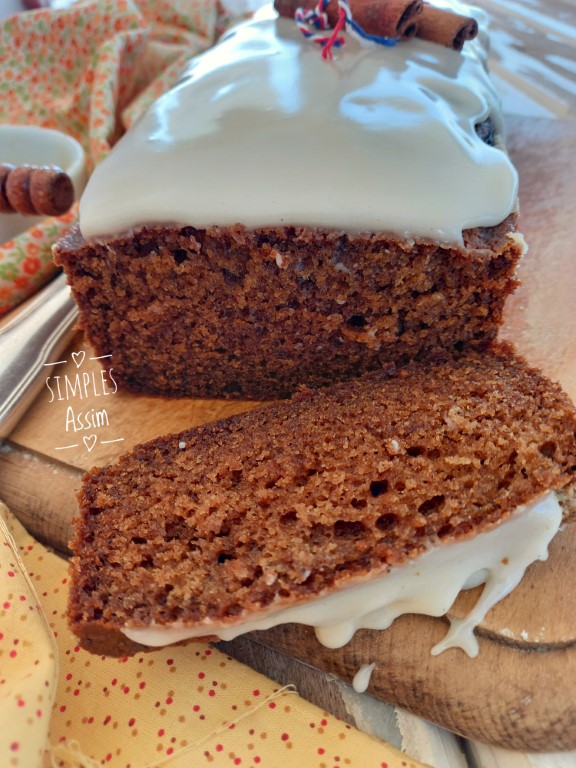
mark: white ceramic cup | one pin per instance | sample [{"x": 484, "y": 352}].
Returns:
[{"x": 31, "y": 145}]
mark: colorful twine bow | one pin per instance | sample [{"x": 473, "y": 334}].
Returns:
[{"x": 313, "y": 24}]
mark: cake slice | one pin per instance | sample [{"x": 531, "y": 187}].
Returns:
[
  {"x": 277, "y": 219},
  {"x": 340, "y": 508}
]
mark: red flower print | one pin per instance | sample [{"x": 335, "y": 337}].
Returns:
[{"x": 31, "y": 265}]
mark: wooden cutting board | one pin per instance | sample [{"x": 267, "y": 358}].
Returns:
[{"x": 521, "y": 690}]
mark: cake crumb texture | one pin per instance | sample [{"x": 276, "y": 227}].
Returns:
[
  {"x": 252, "y": 314},
  {"x": 279, "y": 504}
]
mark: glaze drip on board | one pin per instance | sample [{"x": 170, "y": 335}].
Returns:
[{"x": 361, "y": 679}]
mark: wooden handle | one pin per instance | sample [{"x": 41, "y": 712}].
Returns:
[
  {"x": 35, "y": 190},
  {"x": 46, "y": 513}
]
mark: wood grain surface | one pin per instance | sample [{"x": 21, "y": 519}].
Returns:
[{"x": 520, "y": 692}]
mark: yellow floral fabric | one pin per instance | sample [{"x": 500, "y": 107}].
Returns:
[
  {"x": 89, "y": 70},
  {"x": 186, "y": 705}
]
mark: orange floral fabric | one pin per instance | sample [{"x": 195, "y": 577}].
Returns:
[
  {"x": 89, "y": 70},
  {"x": 180, "y": 706}
]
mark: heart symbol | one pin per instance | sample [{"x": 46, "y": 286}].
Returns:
[
  {"x": 78, "y": 357},
  {"x": 89, "y": 442}
]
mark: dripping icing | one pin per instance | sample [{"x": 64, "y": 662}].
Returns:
[
  {"x": 262, "y": 131},
  {"x": 361, "y": 679},
  {"x": 427, "y": 585}
]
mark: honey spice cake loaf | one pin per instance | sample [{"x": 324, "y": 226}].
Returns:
[
  {"x": 320, "y": 508},
  {"x": 277, "y": 219}
]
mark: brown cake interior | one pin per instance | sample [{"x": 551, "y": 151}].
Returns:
[
  {"x": 231, "y": 312},
  {"x": 278, "y": 504}
]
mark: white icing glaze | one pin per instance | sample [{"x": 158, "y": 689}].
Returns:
[
  {"x": 427, "y": 584},
  {"x": 262, "y": 131},
  {"x": 361, "y": 679}
]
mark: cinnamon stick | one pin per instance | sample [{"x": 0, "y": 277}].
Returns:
[
  {"x": 438, "y": 25},
  {"x": 392, "y": 18},
  {"x": 35, "y": 190},
  {"x": 384, "y": 18}
]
